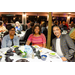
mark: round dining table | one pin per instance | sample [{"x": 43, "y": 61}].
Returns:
[{"x": 44, "y": 51}]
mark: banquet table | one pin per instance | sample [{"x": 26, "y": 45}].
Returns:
[{"x": 45, "y": 51}]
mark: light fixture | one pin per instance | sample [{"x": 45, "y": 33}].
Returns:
[
  {"x": 24, "y": 15},
  {"x": 68, "y": 16},
  {"x": 38, "y": 16},
  {"x": 47, "y": 17}
]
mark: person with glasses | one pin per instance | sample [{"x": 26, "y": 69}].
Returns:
[{"x": 11, "y": 39}]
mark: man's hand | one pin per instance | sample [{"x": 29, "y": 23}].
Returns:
[{"x": 64, "y": 59}]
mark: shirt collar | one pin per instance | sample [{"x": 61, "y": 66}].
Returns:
[
  {"x": 59, "y": 37},
  {"x": 9, "y": 36}
]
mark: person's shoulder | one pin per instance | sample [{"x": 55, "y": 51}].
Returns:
[
  {"x": 42, "y": 34},
  {"x": 6, "y": 36},
  {"x": 65, "y": 35},
  {"x": 16, "y": 36},
  {"x": 28, "y": 30},
  {"x": 54, "y": 39},
  {"x": 31, "y": 35}
]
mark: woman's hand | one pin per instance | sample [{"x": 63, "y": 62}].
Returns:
[
  {"x": 28, "y": 42},
  {"x": 44, "y": 45}
]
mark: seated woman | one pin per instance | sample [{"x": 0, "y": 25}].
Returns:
[
  {"x": 37, "y": 38},
  {"x": 18, "y": 26},
  {"x": 2, "y": 28},
  {"x": 10, "y": 39}
]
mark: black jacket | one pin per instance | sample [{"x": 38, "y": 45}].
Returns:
[{"x": 28, "y": 32}]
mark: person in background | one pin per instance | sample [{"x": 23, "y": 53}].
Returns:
[
  {"x": 63, "y": 27},
  {"x": 2, "y": 28},
  {"x": 72, "y": 24},
  {"x": 44, "y": 30},
  {"x": 10, "y": 39},
  {"x": 42, "y": 23},
  {"x": 63, "y": 45},
  {"x": 18, "y": 26},
  {"x": 47, "y": 25},
  {"x": 67, "y": 25},
  {"x": 56, "y": 22},
  {"x": 28, "y": 25},
  {"x": 60, "y": 23},
  {"x": 29, "y": 31},
  {"x": 37, "y": 38},
  {"x": 5, "y": 23}
]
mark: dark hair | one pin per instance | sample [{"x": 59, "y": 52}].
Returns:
[
  {"x": 11, "y": 28},
  {"x": 32, "y": 24},
  {"x": 0, "y": 23},
  {"x": 57, "y": 26},
  {"x": 44, "y": 25},
  {"x": 35, "y": 27},
  {"x": 72, "y": 25}
]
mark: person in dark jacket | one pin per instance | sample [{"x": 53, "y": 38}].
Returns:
[
  {"x": 63, "y": 45},
  {"x": 29, "y": 31},
  {"x": 44, "y": 30}
]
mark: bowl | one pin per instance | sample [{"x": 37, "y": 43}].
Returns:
[
  {"x": 52, "y": 53},
  {"x": 43, "y": 57}
]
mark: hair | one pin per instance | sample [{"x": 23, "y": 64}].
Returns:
[
  {"x": 11, "y": 28},
  {"x": 0, "y": 23},
  {"x": 44, "y": 25},
  {"x": 18, "y": 23},
  {"x": 32, "y": 24},
  {"x": 35, "y": 27},
  {"x": 72, "y": 25},
  {"x": 57, "y": 26}
]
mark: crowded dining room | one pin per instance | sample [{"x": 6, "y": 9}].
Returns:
[{"x": 37, "y": 36}]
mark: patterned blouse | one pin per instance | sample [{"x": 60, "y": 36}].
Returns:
[{"x": 40, "y": 40}]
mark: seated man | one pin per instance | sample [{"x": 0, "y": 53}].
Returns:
[
  {"x": 29, "y": 31},
  {"x": 63, "y": 45},
  {"x": 10, "y": 39}
]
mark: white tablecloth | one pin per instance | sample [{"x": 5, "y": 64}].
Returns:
[{"x": 44, "y": 51}]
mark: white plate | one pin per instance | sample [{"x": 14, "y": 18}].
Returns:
[{"x": 36, "y": 46}]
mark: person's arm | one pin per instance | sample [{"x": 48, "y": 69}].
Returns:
[
  {"x": 71, "y": 47},
  {"x": 29, "y": 40},
  {"x": 53, "y": 49},
  {"x": 44, "y": 45}
]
